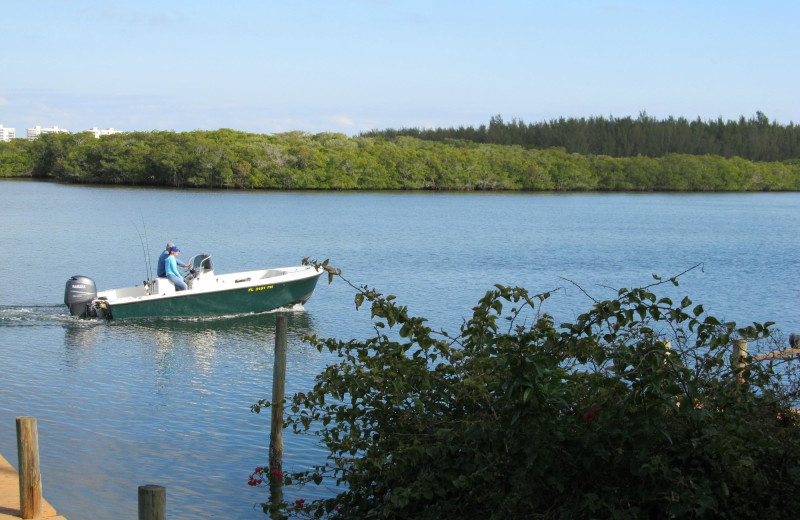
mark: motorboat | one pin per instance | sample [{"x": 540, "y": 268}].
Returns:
[{"x": 208, "y": 293}]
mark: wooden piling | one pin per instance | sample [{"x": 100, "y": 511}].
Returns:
[
  {"x": 30, "y": 476},
  {"x": 738, "y": 359},
  {"x": 276, "y": 426},
  {"x": 152, "y": 502},
  {"x": 278, "y": 390}
]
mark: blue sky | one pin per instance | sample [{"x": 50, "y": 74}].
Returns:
[{"x": 352, "y": 65}]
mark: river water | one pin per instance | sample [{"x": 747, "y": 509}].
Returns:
[{"x": 122, "y": 404}]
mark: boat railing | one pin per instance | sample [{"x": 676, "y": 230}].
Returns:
[{"x": 202, "y": 263}]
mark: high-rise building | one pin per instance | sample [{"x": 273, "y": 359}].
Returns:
[
  {"x": 7, "y": 134},
  {"x": 107, "y": 131},
  {"x": 33, "y": 133}
]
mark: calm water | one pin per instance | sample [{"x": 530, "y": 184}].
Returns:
[{"x": 166, "y": 402}]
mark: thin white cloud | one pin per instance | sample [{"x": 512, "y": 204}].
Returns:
[
  {"x": 137, "y": 17},
  {"x": 341, "y": 120}
]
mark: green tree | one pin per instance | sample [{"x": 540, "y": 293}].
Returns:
[{"x": 15, "y": 159}]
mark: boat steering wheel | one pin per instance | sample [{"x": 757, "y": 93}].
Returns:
[{"x": 190, "y": 272}]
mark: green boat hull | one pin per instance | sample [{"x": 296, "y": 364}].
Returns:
[{"x": 245, "y": 300}]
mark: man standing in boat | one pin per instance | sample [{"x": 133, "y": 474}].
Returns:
[
  {"x": 160, "y": 270},
  {"x": 171, "y": 269}
]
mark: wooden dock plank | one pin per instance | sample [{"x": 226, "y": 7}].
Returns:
[
  {"x": 778, "y": 354},
  {"x": 9, "y": 495}
]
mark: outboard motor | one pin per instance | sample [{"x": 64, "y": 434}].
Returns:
[{"x": 78, "y": 296}]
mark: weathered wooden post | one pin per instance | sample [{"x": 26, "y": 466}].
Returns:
[
  {"x": 152, "y": 502},
  {"x": 738, "y": 359},
  {"x": 276, "y": 427},
  {"x": 30, "y": 476},
  {"x": 278, "y": 390}
]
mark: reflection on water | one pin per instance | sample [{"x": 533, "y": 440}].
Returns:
[
  {"x": 81, "y": 334},
  {"x": 202, "y": 335}
]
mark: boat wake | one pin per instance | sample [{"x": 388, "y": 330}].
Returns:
[
  {"x": 57, "y": 315},
  {"x": 11, "y": 315},
  {"x": 297, "y": 308}
]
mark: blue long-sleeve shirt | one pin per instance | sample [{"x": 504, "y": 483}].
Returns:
[
  {"x": 171, "y": 266},
  {"x": 160, "y": 270}
]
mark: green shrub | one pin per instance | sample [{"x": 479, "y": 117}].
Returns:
[{"x": 518, "y": 418}]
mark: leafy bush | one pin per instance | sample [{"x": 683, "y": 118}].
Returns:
[{"x": 518, "y": 418}]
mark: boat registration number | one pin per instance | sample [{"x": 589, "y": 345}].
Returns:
[{"x": 262, "y": 288}]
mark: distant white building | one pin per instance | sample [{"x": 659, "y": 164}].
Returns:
[
  {"x": 7, "y": 134},
  {"x": 107, "y": 131},
  {"x": 33, "y": 133}
]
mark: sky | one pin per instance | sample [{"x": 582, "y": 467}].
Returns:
[{"x": 269, "y": 66}]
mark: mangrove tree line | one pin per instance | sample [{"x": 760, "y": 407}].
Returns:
[{"x": 328, "y": 161}]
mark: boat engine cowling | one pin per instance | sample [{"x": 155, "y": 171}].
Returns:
[{"x": 79, "y": 294}]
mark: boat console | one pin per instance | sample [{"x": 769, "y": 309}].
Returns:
[{"x": 160, "y": 286}]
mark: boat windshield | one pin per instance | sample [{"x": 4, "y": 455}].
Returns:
[{"x": 202, "y": 263}]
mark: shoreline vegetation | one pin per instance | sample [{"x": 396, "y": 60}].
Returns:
[
  {"x": 594, "y": 154},
  {"x": 640, "y": 407}
]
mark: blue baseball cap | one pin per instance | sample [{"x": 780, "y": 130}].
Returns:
[{"x": 174, "y": 249}]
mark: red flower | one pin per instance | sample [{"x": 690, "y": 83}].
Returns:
[
  {"x": 277, "y": 474},
  {"x": 298, "y": 504},
  {"x": 254, "y": 481},
  {"x": 259, "y": 469},
  {"x": 589, "y": 416}
]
